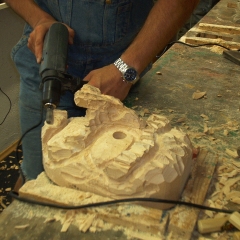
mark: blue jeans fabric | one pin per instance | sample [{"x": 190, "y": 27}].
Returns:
[{"x": 103, "y": 30}]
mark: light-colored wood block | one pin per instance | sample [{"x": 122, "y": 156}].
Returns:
[
  {"x": 211, "y": 225},
  {"x": 219, "y": 28},
  {"x": 234, "y": 219},
  {"x": 200, "y": 40},
  {"x": 113, "y": 153}
]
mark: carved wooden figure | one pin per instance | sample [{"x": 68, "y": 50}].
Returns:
[{"x": 112, "y": 152}]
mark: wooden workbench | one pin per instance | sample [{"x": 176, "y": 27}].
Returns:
[{"x": 211, "y": 122}]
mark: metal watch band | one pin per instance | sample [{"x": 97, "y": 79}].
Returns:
[{"x": 123, "y": 67}]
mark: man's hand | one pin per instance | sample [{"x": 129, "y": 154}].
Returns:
[
  {"x": 36, "y": 38},
  {"x": 39, "y": 20},
  {"x": 109, "y": 80}
]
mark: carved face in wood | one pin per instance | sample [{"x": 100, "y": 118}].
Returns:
[{"x": 112, "y": 152}]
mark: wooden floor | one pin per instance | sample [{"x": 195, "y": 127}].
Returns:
[{"x": 9, "y": 172}]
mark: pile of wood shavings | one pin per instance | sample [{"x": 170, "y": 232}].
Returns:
[
  {"x": 133, "y": 221},
  {"x": 217, "y": 49},
  {"x": 8, "y": 174}
]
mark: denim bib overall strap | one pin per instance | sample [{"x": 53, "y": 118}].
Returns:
[{"x": 103, "y": 30}]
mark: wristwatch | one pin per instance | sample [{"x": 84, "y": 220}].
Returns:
[{"x": 129, "y": 74}]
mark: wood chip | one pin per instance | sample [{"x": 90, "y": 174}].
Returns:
[
  {"x": 21, "y": 226},
  {"x": 236, "y": 164},
  {"x": 235, "y": 200},
  {"x": 87, "y": 223},
  {"x": 225, "y": 132},
  {"x": 3, "y": 205},
  {"x": 68, "y": 220},
  {"x": 230, "y": 174},
  {"x": 211, "y": 130},
  {"x": 205, "y": 117},
  {"x": 50, "y": 220},
  {"x": 212, "y": 138},
  {"x": 205, "y": 128},
  {"x": 234, "y": 219},
  {"x": 231, "y": 153},
  {"x": 146, "y": 111},
  {"x": 198, "y": 95},
  {"x": 180, "y": 120},
  {"x": 228, "y": 184}
]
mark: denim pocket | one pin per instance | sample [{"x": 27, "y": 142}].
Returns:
[{"x": 22, "y": 42}]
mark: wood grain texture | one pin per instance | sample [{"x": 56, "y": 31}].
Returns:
[
  {"x": 219, "y": 28},
  {"x": 183, "y": 218},
  {"x": 201, "y": 40}
]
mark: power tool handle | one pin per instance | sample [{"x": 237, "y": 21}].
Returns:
[{"x": 55, "y": 49}]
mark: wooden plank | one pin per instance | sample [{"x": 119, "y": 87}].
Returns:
[
  {"x": 200, "y": 40},
  {"x": 9, "y": 150},
  {"x": 211, "y": 225},
  {"x": 146, "y": 222},
  {"x": 183, "y": 219},
  {"x": 197, "y": 32},
  {"x": 219, "y": 28}
]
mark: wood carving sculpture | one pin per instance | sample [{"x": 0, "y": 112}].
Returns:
[{"x": 113, "y": 153}]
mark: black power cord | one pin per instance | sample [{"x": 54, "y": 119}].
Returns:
[
  {"x": 125, "y": 200},
  {"x": 190, "y": 45},
  {"x": 19, "y": 143},
  {"x": 20, "y": 140},
  {"x": 9, "y": 106}
]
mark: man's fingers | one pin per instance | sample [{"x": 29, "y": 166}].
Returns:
[
  {"x": 70, "y": 40},
  {"x": 36, "y": 38},
  {"x": 71, "y": 35},
  {"x": 40, "y": 33},
  {"x": 35, "y": 44},
  {"x": 29, "y": 44},
  {"x": 39, "y": 49}
]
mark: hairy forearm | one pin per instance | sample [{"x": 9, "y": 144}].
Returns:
[
  {"x": 163, "y": 22},
  {"x": 28, "y": 10}
]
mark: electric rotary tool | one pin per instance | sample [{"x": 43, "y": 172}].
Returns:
[{"x": 55, "y": 80}]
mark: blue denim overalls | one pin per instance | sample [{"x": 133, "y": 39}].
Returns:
[{"x": 103, "y": 30}]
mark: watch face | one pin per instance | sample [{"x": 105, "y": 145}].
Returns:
[{"x": 130, "y": 74}]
